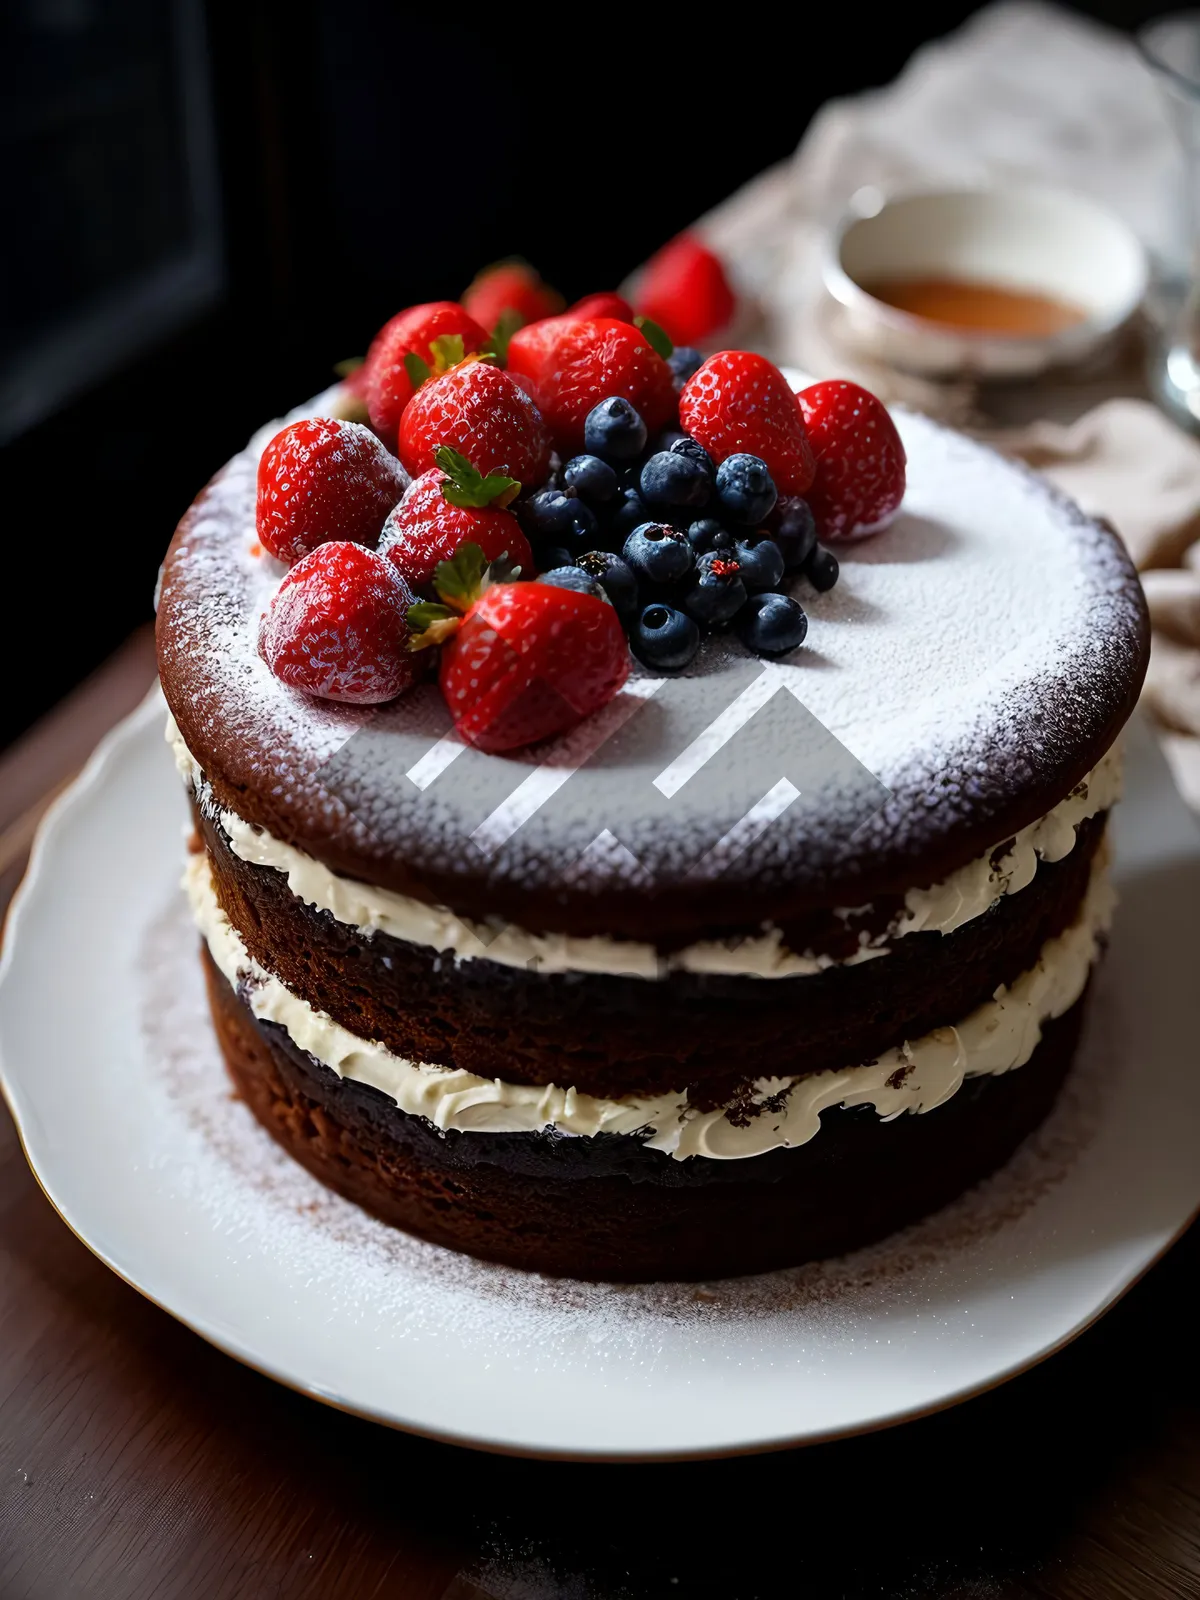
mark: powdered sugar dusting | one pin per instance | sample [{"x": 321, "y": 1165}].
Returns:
[
  {"x": 977, "y": 658},
  {"x": 249, "y": 1188}
]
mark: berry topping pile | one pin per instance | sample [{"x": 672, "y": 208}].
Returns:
[
  {"x": 688, "y": 533},
  {"x": 580, "y": 489}
]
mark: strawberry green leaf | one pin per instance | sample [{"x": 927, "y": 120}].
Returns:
[
  {"x": 343, "y": 369},
  {"x": 425, "y": 612},
  {"x": 502, "y": 570},
  {"x": 460, "y": 581},
  {"x": 447, "y": 351},
  {"x": 456, "y": 466},
  {"x": 494, "y": 490},
  {"x": 430, "y": 624},
  {"x": 465, "y": 485},
  {"x": 418, "y": 370},
  {"x": 503, "y": 491},
  {"x": 509, "y": 320},
  {"x": 656, "y": 337}
]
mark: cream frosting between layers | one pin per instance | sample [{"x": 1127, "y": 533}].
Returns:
[
  {"x": 964, "y": 895},
  {"x": 997, "y": 1037}
]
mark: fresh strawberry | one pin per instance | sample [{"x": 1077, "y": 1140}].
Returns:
[
  {"x": 485, "y": 414},
  {"x": 451, "y": 505},
  {"x": 510, "y": 294},
  {"x": 531, "y": 349},
  {"x": 582, "y": 363},
  {"x": 351, "y": 395},
  {"x": 602, "y": 305},
  {"x": 684, "y": 289},
  {"x": 860, "y": 460},
  {"x": 338, "y": 627},
  {"x": 404, "y": 351},
  {"x": 353, "y": 375},
  {"x": 740, "y": 402},
  {"x": 529, "y": 661},
  {"x": 323, "y": 479}
]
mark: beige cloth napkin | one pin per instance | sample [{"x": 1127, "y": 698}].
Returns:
[
  {"x": 1126, "y": 462},
  {"x": 1022, "y": 91}
]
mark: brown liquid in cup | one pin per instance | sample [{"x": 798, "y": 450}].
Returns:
[{"x": 981, "y": 307}]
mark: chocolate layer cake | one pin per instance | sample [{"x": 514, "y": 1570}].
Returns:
[{"x": 738, "y": 973}]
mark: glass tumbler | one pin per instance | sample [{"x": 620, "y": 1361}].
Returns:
[{"x": 1171, "y": 47}]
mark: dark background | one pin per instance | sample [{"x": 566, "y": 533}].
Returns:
[{"x": 207, "y": 205}]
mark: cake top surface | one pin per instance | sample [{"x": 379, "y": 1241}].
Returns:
[{"x": 974, "y": 661}]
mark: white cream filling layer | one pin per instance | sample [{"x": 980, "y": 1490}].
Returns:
[
  {"x": 973, "y": 889},
  {"x": 1000, "y": 1035},
  {"x": 966, "y": 894}
]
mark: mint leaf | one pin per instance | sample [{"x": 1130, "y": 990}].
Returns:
[
  {"x": 343, "y": 369},
  {"x": 418, "y": 370},
  {"x": 507, "y": 324},
  {"x": 465, "y": 485},
  {"x": 656, "y": 337},
  {"x": 459, "y": 581}
]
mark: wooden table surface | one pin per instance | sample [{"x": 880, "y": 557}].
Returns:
[{"x": 137, "y": 1461}]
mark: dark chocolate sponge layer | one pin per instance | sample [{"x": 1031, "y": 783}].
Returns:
[
  {"x": 1019, "y": 649},
  {"x": 612, "y": 1036},
  {"x": 609, "y": 1207}
]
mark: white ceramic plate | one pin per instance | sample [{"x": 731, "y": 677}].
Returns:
[{"x": 126, "y": 1117}]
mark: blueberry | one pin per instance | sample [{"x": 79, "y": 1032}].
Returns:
[
  {"x": 685, "y": 445},
  {"x": 668, "y": 439},
  {"x": 591, "y": 479},
  {"x": 761, "y": 561},
  {"x": 663, "y": 637},
  {"x": 550, "y": 556},
  {"x": 614, "y": 431},
  {"x": 745, "y": 490},
  {"x": 658, "y": 553},
  {"x": 628, "y": 513},
  {"x": 583, "y": 536},
  {"x": 615, "y": 577},
  {"x": 794, "y": 531},
  {"x": 551, "y": 515},
  {"x": 670, "y": 480},
  {"x": 772, "y": 624},
  {"x": 572, "y": 578},
  {"x": 683, "y": 361},
  {"x": 706, "y": 534},
  {"x": 717, "y": 591},
  {"x": 821, "y": 569}
]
